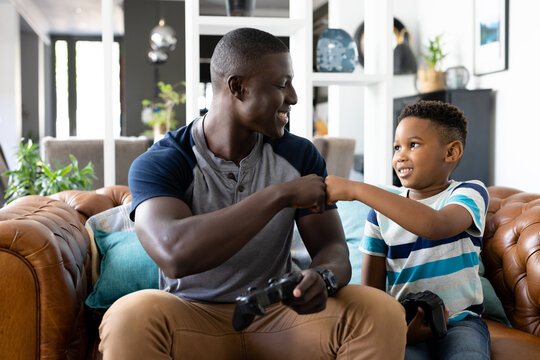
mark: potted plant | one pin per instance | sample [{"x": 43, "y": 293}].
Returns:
[
  {"x": 430, "y": 78},
  {"x": 34, "y": 177},
  {"x": 159, "y": 114}
]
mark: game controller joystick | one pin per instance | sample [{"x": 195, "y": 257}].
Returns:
[
  {"x": 254, "y": 301},
  {"x": 433, "y": 307}
]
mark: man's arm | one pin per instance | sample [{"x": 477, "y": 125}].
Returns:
[
  {"x": 182, "y": 244},
  {"x": 374, "y": 271},
  {"x": 412, "y": 215},
  {"x": 325, "y": 241}
]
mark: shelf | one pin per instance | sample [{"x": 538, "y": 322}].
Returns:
[
  {"x": 219, "y": 25},
  {"x": 332, "y": 78}
]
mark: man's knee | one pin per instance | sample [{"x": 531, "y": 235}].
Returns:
[
  {"x": 373, "y": 305},
  {"x": 132, "y": 310}
]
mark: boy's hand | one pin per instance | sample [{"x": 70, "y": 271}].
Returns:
[
  {"x": 336, "y": 189},
  {"x": 418, "y": 330}
]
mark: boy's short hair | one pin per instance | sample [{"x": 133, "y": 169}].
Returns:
[
  {"x": 241, "y": 47},
  {"x": 449, "y": 120}
]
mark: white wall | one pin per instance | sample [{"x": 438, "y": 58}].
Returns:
[
  {"x": 517, "y": 123},
  {"x": 517, "y": 119},
  {"x": 10, "y": 81}
]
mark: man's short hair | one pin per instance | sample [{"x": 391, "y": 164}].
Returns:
[
  {"x": 449, "y": 120},
  {"x": 241, "y": 47}
]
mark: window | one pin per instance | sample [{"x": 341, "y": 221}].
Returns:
[{"x": 78, "y": 64}]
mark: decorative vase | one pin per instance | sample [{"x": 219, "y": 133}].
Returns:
[
  {"x": 240, "y": 7},
  {"x": 336, "y": 51},
  {"x": 430, "y": 80},
  {"x": 456, "y": 77},
  {"x": 404, "y": 59},
  {"x": 159, "y": 132}
]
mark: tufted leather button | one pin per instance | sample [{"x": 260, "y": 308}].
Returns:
[
  {"x": 241, "y": 188},
  {"x": 231, "y": 176}
]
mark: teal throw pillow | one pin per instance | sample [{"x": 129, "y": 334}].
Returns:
[
  {"x": 125, "y": 268},
  {"x": 493, "y": 308},
  {"x": 353, "y": 216}
]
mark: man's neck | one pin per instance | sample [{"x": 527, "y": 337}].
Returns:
[{"x": 226, "y": 140}]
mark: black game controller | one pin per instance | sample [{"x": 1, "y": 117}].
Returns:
[
  {"x": 433, "y": 307},
  {"x": 253, "y": 301}
]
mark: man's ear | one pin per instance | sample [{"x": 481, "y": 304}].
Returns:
[
  {"x": 454, "y": 151},
  {"x": 234, "y": 83}
]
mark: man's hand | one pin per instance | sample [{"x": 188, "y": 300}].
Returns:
[
  {"x": 306, "y": 192},
  {"x": 337, "y": 188},
  {"x": 418, "y": 330},
  {"x": 310, "y": 294}
]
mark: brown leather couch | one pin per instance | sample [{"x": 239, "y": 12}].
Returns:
[{"x": 45, "y": 273}]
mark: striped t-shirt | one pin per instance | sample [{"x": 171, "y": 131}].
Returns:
[{"x": 447, "y": 267}]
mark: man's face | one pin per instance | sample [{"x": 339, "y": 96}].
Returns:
[
  {"x": 419, "y": 154},
  {"x": 268, "y": 95}
]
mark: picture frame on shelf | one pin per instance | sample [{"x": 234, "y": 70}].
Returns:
[{"x": 490, "y": 36}]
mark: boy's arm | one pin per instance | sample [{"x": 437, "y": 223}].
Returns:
[
  {"x": 412, "y": 215},
  {"x": 374, "y": 271}
]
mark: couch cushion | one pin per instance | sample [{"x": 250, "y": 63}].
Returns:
[
  {"x": 110, "y": 220},
  {"x": 125, "y": 268},
  {"x": 493, "y": 308},
  {"x": 120, "y": 263}
]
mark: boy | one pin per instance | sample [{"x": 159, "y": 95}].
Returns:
[
  {"x": 214, "y": 204},
  {"x": 429, "y": 236}
]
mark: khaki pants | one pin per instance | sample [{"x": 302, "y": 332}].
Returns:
[{"x": 358, "y": 323}]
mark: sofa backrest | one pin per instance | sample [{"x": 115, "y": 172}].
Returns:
[
  {"x": 338, "y": 152},
  {"x": 127, "y": 149},
  {"x": 511, "y": 254}
]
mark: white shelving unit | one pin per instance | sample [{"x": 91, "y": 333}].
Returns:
[{"x": 298, "y": 27}]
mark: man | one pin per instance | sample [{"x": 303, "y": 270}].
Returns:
[{"x": 214, "y": 205}]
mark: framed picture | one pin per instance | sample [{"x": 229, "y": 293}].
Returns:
[{"x": 490, "y": 36}]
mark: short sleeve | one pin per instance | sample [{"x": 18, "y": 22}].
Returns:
[
  {"x": 372, "y": 243},
  {"x": 473, "y": 196},
  {"x": 166, "y": 169}
]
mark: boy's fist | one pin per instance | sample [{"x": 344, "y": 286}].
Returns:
[{"x": 336, "y": 189}]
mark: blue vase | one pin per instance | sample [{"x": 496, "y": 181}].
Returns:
[{"x": 336, "y": 51}]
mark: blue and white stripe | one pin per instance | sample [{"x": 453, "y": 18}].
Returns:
[{"x": 448, "y": 267}]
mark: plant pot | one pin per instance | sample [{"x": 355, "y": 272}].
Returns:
[
  {"x": 240, "y": 7},
  {"x": 159, "y": 132},
  {"x": 430, "y": 80}
]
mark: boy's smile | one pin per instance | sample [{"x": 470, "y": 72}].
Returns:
[{"x": 420, "y": 157}]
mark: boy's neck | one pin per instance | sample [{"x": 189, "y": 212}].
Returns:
[{"x": 419, "y": 194}]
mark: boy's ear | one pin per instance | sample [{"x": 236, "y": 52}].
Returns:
[
  {"x": 234, "y": 83},
  {"x": 454, "y": 151}
]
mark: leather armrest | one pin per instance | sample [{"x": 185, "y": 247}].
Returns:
[
  {"x": 45, "y": 262},
  {"x": 509, "y": 343}
]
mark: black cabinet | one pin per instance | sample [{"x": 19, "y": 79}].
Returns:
[{"x": 477, "y": 106}]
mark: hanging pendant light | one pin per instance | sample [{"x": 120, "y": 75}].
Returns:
[
  {"x": 162, "y": 41},
  {"x": 163, "y": 37},
  {"x": 157, "y": 56}
]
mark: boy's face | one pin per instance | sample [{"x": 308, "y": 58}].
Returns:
[
  {"x": 268, "y": 95},
  {"x": 419, "y": 155}
]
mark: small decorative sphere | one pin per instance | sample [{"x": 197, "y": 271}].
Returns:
[
  {"x": 163, "y": 37},
  {"x": 157, "y": 56}
]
